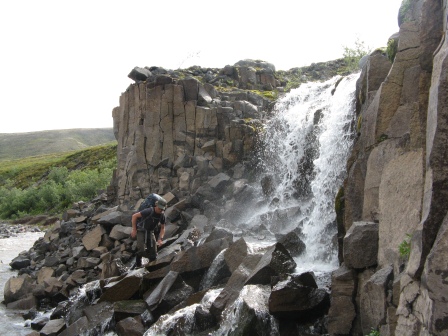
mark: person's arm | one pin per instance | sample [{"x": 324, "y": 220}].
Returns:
[
  {"x": 161, "y": 234},
  {"x": 135, "y": 216}
]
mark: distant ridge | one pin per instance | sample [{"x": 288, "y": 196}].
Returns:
[{"x": 22, "y": 145}]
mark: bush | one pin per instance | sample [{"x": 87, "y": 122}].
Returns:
[
  {"x": 392, "y": 47},
  {"x": 405, "y": 247},
  {"x": 352, "y": 55},
  {"x": 56, "y": 193}
]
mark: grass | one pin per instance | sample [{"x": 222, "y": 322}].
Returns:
[
  {"x": 22, "y": 145},
  {"x": 23, "y": 173}
]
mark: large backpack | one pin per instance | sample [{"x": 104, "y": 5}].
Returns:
[{"x": 149, "y": 201}]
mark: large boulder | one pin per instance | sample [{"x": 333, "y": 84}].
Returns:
[
  {"x": 18, "y": 288},
  {"x": 297, "y": 297},
  {"x": 361, "y": 245}
]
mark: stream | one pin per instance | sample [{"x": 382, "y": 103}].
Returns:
[{"x": 11, "y": 321}]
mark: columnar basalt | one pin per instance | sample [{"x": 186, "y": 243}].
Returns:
[{"x": 397, "y": 179}]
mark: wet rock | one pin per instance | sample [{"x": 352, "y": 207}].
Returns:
[
  {"x": 197, "y": 259},
  {"x": 234, "y": 285},
  {"x": 39, "y": 322},
  {"x": 219, "y": 233},
  {"x": 275, "y": 261},
  {"x": 130, "y": 326},
  {"x": 291, "y": 299},
  {"x": 20, "y": 262},
  {"x": 235, "y": 254},
  {"x": 76, "y": 328},
  {"x": 53, "y": 327},
  {"x": 123, "y": 289},
  {"x": 203, "y": 319},
  {"x": 128, "y": 308},
  {"x": 293, "y": 244}
]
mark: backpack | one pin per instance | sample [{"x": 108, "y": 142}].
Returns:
[{"x": 149, "y": 201}]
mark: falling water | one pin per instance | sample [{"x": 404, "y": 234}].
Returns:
[{"x": 306, "y": 147}]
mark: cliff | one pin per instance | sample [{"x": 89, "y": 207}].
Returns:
[
  {"x": 177, "y": 128},
  {"x": 395, "y": 192}
]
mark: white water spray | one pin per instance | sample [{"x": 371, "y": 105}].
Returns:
[{"x": 307, "y": 144}]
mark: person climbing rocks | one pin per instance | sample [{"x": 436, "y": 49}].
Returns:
[{"x": 145, "y": 227}]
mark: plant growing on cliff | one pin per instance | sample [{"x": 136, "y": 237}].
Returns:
[
  {"x": 405, "y": 247},
  {"x": 404, "y": 12},
  {"x": 352, "y": 55},
  {"x": 374, "y": 332},
  {"x": 392, "y": 47}
]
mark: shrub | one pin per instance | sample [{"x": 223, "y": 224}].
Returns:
[
  {"x": 352, "y": 55},
  {"x": 392, "y": 47},
  {"x": 374, "y": 332},
  {"x": 57, "y": 192},
  {"x": 405, "y": 247},
  {"x": 403, "y": 12}
]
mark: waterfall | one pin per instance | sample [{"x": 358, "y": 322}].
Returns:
[{"x": 305, "y": 149}]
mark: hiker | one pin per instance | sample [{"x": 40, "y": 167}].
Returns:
[{"x": 144, "y": 223}]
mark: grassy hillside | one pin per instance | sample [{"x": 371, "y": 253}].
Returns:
[
  {"x": 23, "y": 173},
  {"x": 22, "y": 145},
  {"x": 49, "y": 184}
]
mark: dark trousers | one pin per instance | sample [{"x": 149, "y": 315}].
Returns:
[{"x": 146, "y": 246}]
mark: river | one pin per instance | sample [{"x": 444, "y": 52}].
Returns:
[{"x": 11, "y": 321}]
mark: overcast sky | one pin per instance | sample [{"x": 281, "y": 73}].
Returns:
[{"x": 64, "y": 63}]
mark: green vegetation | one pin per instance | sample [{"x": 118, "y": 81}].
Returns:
[
  {"x": 392, "y": 47},
  {"x": 359, "y": 124},
  {"x": 405, "y": 247},
  {"x": 50, "y": 183},
  {"x": 271, "y": 95},
  {"x": 374, "y": 332},
  {"x": 352, "y": 55},
  {"x": 404, "y": 11},
  {"x": 21, "y": 145}
]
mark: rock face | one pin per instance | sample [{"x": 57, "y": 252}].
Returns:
[{"x": 397, "y": 179}]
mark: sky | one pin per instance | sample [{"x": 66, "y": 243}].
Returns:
[{"x": 64, "y": 63}]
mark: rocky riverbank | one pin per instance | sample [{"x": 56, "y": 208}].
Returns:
[{"x": 8, "y": 230}]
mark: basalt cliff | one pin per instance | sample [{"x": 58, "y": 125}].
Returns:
[{"x": 393, "y": 238}]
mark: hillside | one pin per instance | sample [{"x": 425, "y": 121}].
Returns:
[
  {"x": 22, "y": 145},
  {"x": 24, "y": 172}
]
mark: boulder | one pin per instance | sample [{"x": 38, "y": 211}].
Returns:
[
  {"x": 124, "y": 288},
  {"x": 275, "y": 261},
  {"x": 18, "y": 288},
  {"x": 373, "y": 299},
  {"x": 53, "y": 327},
  {"x": 93, "y": 238},
  {"x": 234, "y": 285},
  {"x": 20, "y": 262},
  {"x": 119, "y": 232},
  {"x": 139, "y": 74},
  {"x": 235, "y": 254},
  {"x": 291, "y": 299},
  {"x": 130, "y": 326},
  {"x": 342, "y": 311},
  {"x": 361, "y": 245},
  {"x": 128, "y": 308}
]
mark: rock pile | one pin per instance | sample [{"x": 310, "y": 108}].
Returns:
[{"x": 91, "y": 248}]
